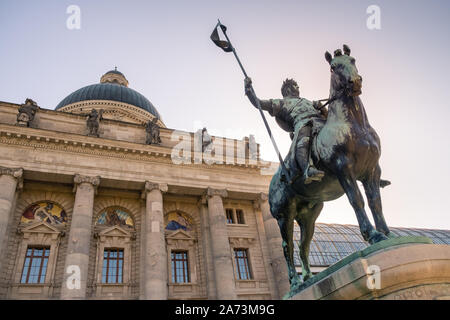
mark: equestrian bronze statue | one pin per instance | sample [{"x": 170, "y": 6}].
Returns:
[{"x": 330, "y": 152}]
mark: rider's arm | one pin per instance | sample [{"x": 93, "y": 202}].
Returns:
[{"x": 266, "y": 105}]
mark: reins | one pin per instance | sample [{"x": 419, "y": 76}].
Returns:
[{"x": 338, "y": 95}]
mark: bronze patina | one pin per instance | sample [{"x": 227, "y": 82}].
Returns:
[{"x": 342, "y": 145}]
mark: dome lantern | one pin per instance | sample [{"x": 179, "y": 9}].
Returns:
[{"x": 114, "y": 76}]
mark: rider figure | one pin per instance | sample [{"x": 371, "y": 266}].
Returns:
[{"x": 301, "y": 118}]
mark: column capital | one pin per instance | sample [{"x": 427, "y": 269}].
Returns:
[
  {"x": 79, "y": 179},
  {"x": 263, "y": 197},
  {"x": 210, "y": 192},
  {"x": 16, "y": 173},
  {"x": 13, "y": 172},
  {"x": 203, "y": 200},
  {"x": 95, "y": 181},
  {"x": 149, "y": 186}
]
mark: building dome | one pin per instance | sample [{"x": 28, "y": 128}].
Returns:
[{"x": 113, "y": 87}]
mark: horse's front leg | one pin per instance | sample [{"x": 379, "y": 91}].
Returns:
[
  {"x": 286, "y": 224},
  {"x": 372, "y": 187},
  {"x": 348, "y": 183}
]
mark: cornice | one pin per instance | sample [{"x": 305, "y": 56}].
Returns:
[{"x": 76, "y": 143}]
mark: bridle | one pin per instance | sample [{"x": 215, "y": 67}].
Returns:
[{"x": 335, "y": 97}]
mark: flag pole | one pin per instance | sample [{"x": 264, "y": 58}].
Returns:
[{"x": 283, "y": 167}]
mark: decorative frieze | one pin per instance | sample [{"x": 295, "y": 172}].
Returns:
[{"x": 241, "y": 242}]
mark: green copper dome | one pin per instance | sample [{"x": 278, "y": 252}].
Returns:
[{"x": 113, "y": 87}]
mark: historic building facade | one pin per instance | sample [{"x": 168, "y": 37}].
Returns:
[{"x": 99, "y": 201}]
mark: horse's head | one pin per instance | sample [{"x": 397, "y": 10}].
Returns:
[{"x": 344, "y": 74}]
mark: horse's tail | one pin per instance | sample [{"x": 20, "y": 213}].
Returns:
[{"x": 384, "y": 183}]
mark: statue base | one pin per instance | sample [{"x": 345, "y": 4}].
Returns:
[{"x": 402, "y": 268}]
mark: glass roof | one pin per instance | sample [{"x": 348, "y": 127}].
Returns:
[{"x": 333, "y": 242}]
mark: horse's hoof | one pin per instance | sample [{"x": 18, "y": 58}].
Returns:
[
  {"x": 377, "y": 237},
  {"x": 390, "y": 235},
  {"x": 307, "y": 276}
]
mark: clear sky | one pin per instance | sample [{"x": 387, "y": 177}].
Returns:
[{"x": 164, "y": 50}]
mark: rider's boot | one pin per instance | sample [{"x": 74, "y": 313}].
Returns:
[{"x": 310, "y": 173}]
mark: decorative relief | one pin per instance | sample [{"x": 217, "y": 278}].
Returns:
[
  {"x": 244, "y": 242},
  {"x": 45, "y": 211}
]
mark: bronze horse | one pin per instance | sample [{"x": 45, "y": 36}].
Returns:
[{"x": 347, "y": 149}]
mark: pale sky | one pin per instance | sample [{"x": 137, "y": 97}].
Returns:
[{"x": 164, "y": 50}]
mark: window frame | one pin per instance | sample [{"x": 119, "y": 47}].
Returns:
[
  {"x": 240, "y": 217},
  {"x": 44, "y": 259},
  {"x": 185, "y": 263},
  {"x": 247, "y": 264},
  {"x": 119, "y": 267},
  {"x": 229, "y": 214}
]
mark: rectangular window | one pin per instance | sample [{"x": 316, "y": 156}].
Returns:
[
  {"x": 112, "y": 271},
  {"x": 242, "y": 266},
  {"x": 180, "y": 270},
  {"x": 230, "y": 218},
  {"x": 240, "y": 216},
  {"x": 35, "y": 266}
]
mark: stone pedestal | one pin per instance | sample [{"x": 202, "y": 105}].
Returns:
[
  {"x": 9, "y": 180},
  {"x": 155, "y": 254},
  {"x": 221, "y": 251},
  {"x": 274, "y": 241},
  {"x": 77, "y": 259},
  {"x": 403, "y": 268}
]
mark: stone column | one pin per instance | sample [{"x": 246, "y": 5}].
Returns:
[
  {"x": 10, "y": 180},
  {"x": 155, "y": 252},
  {"x": 209, "y": 265},
  {"x": 274, "y": 241},
  {"x": 265, "y": 250},
  {"x": 221, "y": 253},
  {"x": 77, "y": 259}
]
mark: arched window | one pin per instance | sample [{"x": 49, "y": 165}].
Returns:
[
  {"x": 115, "y": 234},
  {"x": 41, "y": 226}
]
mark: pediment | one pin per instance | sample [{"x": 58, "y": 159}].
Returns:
[
  {"x": 115, "y": 231},
  {"x": 40, "y": 227},
  {"x": 180, "y": 235}
]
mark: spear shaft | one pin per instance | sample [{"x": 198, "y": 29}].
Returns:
[{"x": 283, "y": 167}]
